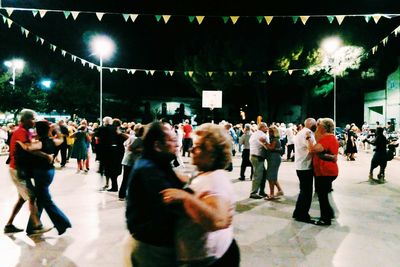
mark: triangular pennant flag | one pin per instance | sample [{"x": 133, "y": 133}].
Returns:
[
  {"x": 73, "y": 58},
  {"x": 304, "y": 19},
  {"x": 367, "y": 18},
  {"x": 42, "y": 12},
  {"x": 66, "y": 14},
  {"x": 374, "y": 49},
  {"x": 54, "y": 48},
  {"x": 158, "y": 17},
  {"x": 111, "y": 70},
  {"x": 190, "y": 73},
  {"x": 91, "y": 65},
  {"x": 191, "y": 18},
  {"x": 268, "y": 19},
  {"x": 133, "y": 71},
  {"x": 128, "y": 71},
  {"x": 26, "y": 33},
  {"x": 290, "y": 72},
  {"x": 147, "y": 72},
  {"x": 269, "y": 72},
  {"x": 37, "y": 38},
  {"x": 166, "y": 72},
  {"x": 152, "y": 72},
  {"x": 34, "y": 12},
  {"x": 260, "y": 19},
  {"x": 22, "y": 30},
  {"x": 210, "y": 73},
  {"x": 41, "y": 40},
  {"x": 340, "y": 19},
  {"x": 230, "y": 73},
  {"x": 166, "y": 18},
  {"x": 133, "y": 17},
  {"x": 250, "y": 73},
  {"x": 9, "y": 11},
  {"x": 4, "y": 19},
  {"x": 234, "y": 19},
  {"x": 295, "y": 18},
  {"x": 9, "y": 22},
  {"x": 75, "y": 14},
  {"x": 185, "y": 73},
  {"x": 171, "y": 72},
  {"x": 63, "y": 52},
  {"x": 396, "y": 31},
  {"x": 98, "y": 68},
  {"x": 126, "y": 17},
  {"x": 99, "y": 15},
  {"x": 376, "y": 18},
  {"x": 330, "y": 18},
  {"x": 384, "y": 41},
  {"x": 225, "y": 19},
  {"x": 83, "y": 62},
  {"x": 199, "y": 19}
]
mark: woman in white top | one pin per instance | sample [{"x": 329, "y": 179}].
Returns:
[{"x": 204, "y": 234}]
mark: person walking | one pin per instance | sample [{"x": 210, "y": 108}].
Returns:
[
  {"x": 380, "y": 155},
  {"x": 245, "y": 142}
]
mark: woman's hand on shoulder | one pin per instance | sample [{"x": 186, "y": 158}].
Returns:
[{"x": 171, "y": 195}]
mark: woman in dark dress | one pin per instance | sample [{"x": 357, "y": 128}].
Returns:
[
  {"x": 380, "y": 157},
  {"x": 351, "y": 147},
  {"x": 43, "y": 174}
]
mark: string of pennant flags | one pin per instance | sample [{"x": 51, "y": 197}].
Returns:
[
  {"x": 25, "y": 32},
  {"x": 195, "y": 18}
]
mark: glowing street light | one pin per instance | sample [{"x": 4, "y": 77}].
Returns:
[
  {"x": 103, "y": 47},
  {"x": 330, "y": 46},
  {"x": 46, "y": 83},
  {"x": 14, "y": 65}
]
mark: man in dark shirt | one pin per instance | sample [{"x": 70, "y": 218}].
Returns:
[{"x": 149, "y": 221}]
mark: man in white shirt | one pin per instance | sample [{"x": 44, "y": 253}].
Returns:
[
  {"x": 257, "y": 158},
  {"x": 303, "y": 161}
]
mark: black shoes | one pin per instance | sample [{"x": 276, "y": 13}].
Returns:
[
  {"x": 305, "y": 220},
  {"x": 241, "y": 179},
  {"x": 10, "y": 229},
  {"x": 321, "y": 222},
  {"x": 112, "y": 190},
  {"x": 255, "y": 196}
]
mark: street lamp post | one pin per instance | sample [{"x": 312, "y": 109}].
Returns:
[
  {"x": 14, "y": 65},
  {"x": 103, "y": 47}
]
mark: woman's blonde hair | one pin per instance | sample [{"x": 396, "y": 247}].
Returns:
[
  {"x": 274, "y": 130},
  {"x": 328, "y": 124},
  {"x": 214, "y": 140}
]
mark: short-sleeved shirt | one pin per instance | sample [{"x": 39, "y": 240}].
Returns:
[
  {"x": 187, "y": 130},
  {"x": 324, "y": 167},
  {"x": 302, "y": 156},
  {"x": 19, "y": 157}
]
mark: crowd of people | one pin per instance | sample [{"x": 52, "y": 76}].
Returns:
[{"x": 175, "y": 219}]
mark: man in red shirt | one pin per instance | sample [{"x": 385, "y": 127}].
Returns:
[
  {"x": 187, "y": 138},
  {"x": 19, "y": 172}
]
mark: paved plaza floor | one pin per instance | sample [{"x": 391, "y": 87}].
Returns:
[{"x": 365, "y": 233}]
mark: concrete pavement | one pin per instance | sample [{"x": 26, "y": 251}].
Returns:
[{"x": 365, "y": 233}]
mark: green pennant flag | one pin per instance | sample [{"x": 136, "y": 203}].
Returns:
[
  {"x": 191, "y": 18},
  {"x": 260, "y": 19},
  {"x": 34, "y": 12},
  {"x": 147, "y": 72},
  {"x": 4, "y": 19},
  {"x": 158, "y": 17},
  {"x": 126, "y": 17},
  {"x": 295, "y": 19},
  {"x": 225, "y": 18},
  {"x": 330, "y": 18},
  {"x": 22, "y": 30},
  {"x": 367, "y": 18},
  {"x": 66, "y": 14},
  {"x": 166, "y": 72},
  {"x": 37, "y": 38},
  {"x": 185, "y": 73}
]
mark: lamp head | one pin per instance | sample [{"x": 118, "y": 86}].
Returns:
[{"x": 102, "y": 46}]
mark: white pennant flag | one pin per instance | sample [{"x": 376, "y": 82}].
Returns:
[
  {"x": 111, "y": 70},
  {"x": 75, "y": 14},
  {"x": 63, "y": 52},
  {"x": 133, "y": 71},
  {"x": 9, "y": 11},
  {"x": 304, "y": 19},
  {"x": 42, "y": 12},
  {"x": 376, "y": 18},
  {"x": 385, "y": 41},
  {"x": 26, "y": 33},
  {"x": 9, "y": 22},
  {"x": 99, "y": 15},
  {"x": 171, "y": 72},
  {"x": 73, "y": 58},
  {"x": 290, "y": 72},
  {"x": 91, "y": 65},
  {"x": 54, "y": 48},
  {"x": 340, "y": 19},
  {"x": 166, "y": 18},
  {"x": 396, "y": 31},
  {"x": 83, "y": 62},
  {"x": 152, "y": 72},
  {"x": 98, "y": 68},
  {"x": 250, "y": 73},
  {"x": 269, "y": 72},
  {"x": 133, "y": 17},
  {"x": 41, "y": 40},
  {"x": 230, "y": 73}
]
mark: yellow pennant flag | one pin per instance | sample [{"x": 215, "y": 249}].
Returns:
[
  {"x": 376, "y": 18},
  {"x": 171, "y": 72},
  {"x": 190, "y": 73},
  {"x": 166, "y": 18},
  {"x": 199, "y": 19},
  {"x": 133, "y": 17},
  {"x": 230, "y": 73},
  {"x": 374, "y": 49},
  {"x": 99, "y": 15},
  {"x": 75, "y": 14},
  {"x": 9, "y": 22},
  {"x": 210, "y": 73},
  {"x": 340, "y": 19},
  {"x": 9, "y": 11},
  {"x": 269, "y": 72},
  {"x": 268, "y": 19},
  {"x": 304, "y": 19},
  {"x": 152, "y": 72},
  {"x": 290, "y": 72},
  {"x": 234, "y": 19},
  {"x": 250, "y": 73},
  {"x": 42, "y": 12}
]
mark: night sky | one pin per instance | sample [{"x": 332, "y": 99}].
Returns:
[{"x": 148, "y": 44}]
